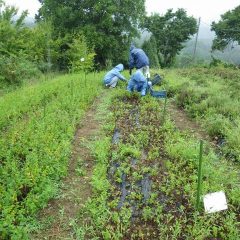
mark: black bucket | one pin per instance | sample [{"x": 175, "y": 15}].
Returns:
[{"x": 156, "y": 80}]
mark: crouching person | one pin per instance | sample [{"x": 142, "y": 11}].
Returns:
[
  {"x": 111, "y": 78},
  {"x": 138, "y": 82}
]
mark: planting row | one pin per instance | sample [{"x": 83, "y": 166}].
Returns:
[
  {"x": 145, "y": 180},
  {"x": 28, "y": 99},
  {"x": 35, "y": 149}
]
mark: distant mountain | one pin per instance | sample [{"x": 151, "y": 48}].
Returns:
[{"x": 203, "y": 51}]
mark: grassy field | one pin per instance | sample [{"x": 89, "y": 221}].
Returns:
[
  {"x": 144, "y": 178},
  {"x": 37, "y": 126},
  {"x": 212, "y": 97}
]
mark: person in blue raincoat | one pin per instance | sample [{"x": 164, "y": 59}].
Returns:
[
  {"x": 138, "y": 82},
  {"x": 138, "y": 59},
  {"x": 111, "y": 78}
]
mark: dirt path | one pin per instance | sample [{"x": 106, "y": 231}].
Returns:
[
  {"x": 184, "y": 123},
  {"x": 76, "y": 189}
]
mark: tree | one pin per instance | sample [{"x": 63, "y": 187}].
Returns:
[
  {"x": 150, "y": 48},
  {"x": 170, "y": 32},
  {"x": 227, "y": 29},
  {"x": 108, "y": 25},
  {"x": 80, "y": 56},
  {"x": 15, "y": 64},
  {"x": 24, "y": 50},
  {"x": 11, "y": 31}
]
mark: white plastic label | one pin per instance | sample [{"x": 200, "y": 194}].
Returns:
[{"x": 215, "y": 202}]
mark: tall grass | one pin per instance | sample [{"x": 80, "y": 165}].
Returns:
[
  {"x": 38, "y": 124},
  {"x": 211, "y": 96}
]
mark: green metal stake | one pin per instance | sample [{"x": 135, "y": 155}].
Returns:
[{"x": 199, "y": 185}]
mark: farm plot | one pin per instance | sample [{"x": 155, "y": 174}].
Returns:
[
  {"x": 37, "y": 127},
  {"x": 145, "y": 180}
]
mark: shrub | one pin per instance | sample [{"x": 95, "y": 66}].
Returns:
[
  {"x": 81, "y": 57},
  {"x": 15, "y": 69}
]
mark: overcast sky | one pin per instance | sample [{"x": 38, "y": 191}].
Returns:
[
  {"x": 31, "y": 5},
  {"x": 208, "y": 10}
]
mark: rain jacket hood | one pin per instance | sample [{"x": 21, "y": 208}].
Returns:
[
  {"x": 137, "y": 58},
  {"x": 115, "y": 72},
  {"x": 138, "y": 82},
  {"x": 119, "y": 67}
]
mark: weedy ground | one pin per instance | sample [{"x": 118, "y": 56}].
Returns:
[
  {"x": 145, "y": 179},
  {"x": 211, "y": 96},
  {"x": 37, "y": 125},
  {"x": 144, "y": 163}
]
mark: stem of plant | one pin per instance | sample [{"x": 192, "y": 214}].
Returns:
[
  {"x": 164, "y": 109},
  {"x": 199, "y": 185},
  {"x": 72, "y": 88},
  {"x": 44, "y": 107}
]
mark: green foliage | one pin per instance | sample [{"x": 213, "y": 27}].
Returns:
[
  {"x": 16, "y": 69},
  {"x": 150, "y": 48},
  {"x": 24, "y": 51},
  {"x": 169, "y": 211},
  {"x": 227, "y": 29},
  {"x": 12, "y": 33},
  {"x": 39, "y": 124},
  {"x": 13, "y": 45},
  {"x": 170, "y": 32},
  {"x": 219, "y": 63},
  {"x": 80, "y": 56},
  {"x": 107, "y": 25},
  {"x": 42, "y": 49},
  {"x": 212, "y": 96}
]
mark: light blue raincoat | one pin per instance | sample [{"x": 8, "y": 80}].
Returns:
[
  {"x": 138, "y": 82},
  {"x": 115, "y": 72}
]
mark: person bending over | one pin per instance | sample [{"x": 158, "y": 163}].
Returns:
[
  {"x": 138, "y": 59},
  {"x": 111, "y": 78},
  {"x": 138, "y": 82}
]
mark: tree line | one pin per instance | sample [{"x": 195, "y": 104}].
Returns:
[{"x": 84, "y": 35}]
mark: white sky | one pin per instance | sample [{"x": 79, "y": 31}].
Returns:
[
  {"x": 208, "y": 10},
  {"x": 31, "y": 5}
]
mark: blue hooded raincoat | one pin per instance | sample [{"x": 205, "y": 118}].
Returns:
[
  {"x": 138, "y": 82},
  {"x": 115, "y": 72},
  {"x": 138, "y": 58}
]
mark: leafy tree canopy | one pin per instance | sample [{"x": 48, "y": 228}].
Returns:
[
  {"x": 11, "y": 31},
  {"x": 150, "y": 48},
  {"x": 227, "y": 29},
  {"x": 108, "y": 25},
  {"x": 170, "y": 31}
]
